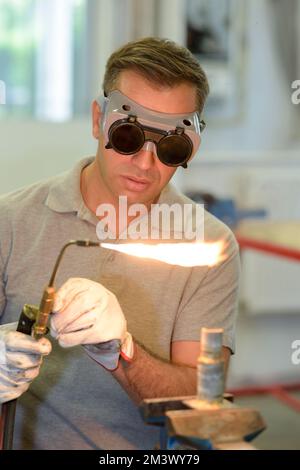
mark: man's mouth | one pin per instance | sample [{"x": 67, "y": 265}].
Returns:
[{"x": 136, "y": 184}]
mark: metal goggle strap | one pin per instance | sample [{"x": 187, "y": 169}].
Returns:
[{"x": 127, "y": 126}]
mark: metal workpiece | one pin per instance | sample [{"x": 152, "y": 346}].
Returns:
[
  {"x": 210, "y": 366},
  {"x": 211, "y": 343},
  {"x": 208, "y": 420},
  {"x": 210, "y": 382}
]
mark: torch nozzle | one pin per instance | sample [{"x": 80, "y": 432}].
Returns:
[{"x": 86, "y": 243}]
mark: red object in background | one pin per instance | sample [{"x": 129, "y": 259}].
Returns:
[
  {"x": 280, "y": 391},
  {"x": 268, "y": 247}
]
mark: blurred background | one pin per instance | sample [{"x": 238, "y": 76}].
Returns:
[{"x": 52, "y": 59}]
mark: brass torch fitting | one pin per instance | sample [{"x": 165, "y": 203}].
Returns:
[{"x": 40, "y": 326}]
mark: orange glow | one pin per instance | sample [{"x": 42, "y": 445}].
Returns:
[{"x": 181, "y": 254}]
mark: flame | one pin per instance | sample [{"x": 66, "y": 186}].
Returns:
[{"x": 181, "y": 254}]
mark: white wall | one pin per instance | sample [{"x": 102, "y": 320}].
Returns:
[
  {"x": 264, "y": 350},
  {"x": 32, "y": 150}
]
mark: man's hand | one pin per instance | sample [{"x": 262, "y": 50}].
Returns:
[
  {"x": 86, "y": 313},
  {"x": 20, "y": 361}
]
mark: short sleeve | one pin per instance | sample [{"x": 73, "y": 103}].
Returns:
[{"x": 211, "y": 301}]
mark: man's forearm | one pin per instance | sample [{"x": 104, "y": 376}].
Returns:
[{"x": 148, "y": 377}]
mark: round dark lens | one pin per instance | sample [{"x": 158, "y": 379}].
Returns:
[
  {"x": 174, "y": 150},
  {"x": 127, "y": 138}
]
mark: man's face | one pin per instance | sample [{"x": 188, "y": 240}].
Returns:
[{"x": 141, "y": 176}]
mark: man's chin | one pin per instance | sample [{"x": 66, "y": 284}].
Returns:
[{"x": 137, "y": 198}]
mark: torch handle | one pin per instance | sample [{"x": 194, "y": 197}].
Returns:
[
  {"x": 27, "y": 319},
  {"x": 25, "y": 325},
  {"x": 7, "y": 424}
]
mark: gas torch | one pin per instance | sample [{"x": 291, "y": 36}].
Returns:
[{"x": 33, "y": 321}]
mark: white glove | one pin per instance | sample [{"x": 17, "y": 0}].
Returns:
[
  {"x": 87, "y": 313},
  {"x": 20, "y": 360}
]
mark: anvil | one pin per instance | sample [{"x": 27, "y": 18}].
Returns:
[{"x": 225, "y": 426}]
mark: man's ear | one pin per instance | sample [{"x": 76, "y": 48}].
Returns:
[{"x": 96, "y": 116}]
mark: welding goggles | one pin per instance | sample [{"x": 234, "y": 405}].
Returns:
[{"x": 127, "y": 127}]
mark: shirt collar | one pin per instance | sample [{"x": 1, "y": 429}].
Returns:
[
  {"x": 169, "y": 195},
  {"x": 65, "y": 195}
]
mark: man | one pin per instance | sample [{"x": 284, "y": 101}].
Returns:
[{"x": 139, "y": 320}]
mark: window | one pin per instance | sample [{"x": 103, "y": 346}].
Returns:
[
  {"x": 42, "y": 54},
  {"x": 215, "y": 35}
]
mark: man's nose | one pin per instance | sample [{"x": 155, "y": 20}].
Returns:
[{"x": 145, "y": 158}]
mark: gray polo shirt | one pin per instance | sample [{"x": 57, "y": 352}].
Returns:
[{"x": 74, "y": 403}]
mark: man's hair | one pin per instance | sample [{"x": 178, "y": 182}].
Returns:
[{"x": 160, "y": 61}]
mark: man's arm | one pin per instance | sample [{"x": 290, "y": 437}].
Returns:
[
  {"x": 87, "y": 313},
  {"x": 148, "y": 377},
  {"x": 187, "y": 352}
]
